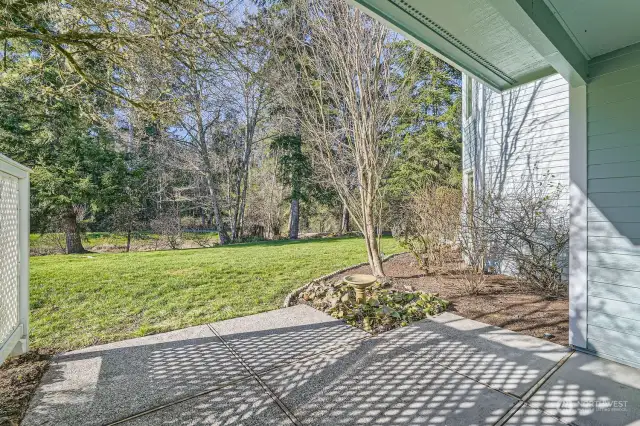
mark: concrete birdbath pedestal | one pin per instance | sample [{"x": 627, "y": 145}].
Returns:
[{"x": 360, "y": 282}]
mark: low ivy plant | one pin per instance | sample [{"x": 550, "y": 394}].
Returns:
[{"x": 383, "y": 310}]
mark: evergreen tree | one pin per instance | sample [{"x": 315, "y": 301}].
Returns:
[
  {"x": 294, "y": 169},
  {"x": 431, "y": 140},
  {"x": 76, "y": 168}
]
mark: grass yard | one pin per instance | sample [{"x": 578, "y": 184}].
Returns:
[
  {"x": 82, "y": 300},
  {"x": 108, "y": 242}
]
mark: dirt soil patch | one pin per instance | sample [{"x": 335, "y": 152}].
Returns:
[
  {"x": 19, "y": 378},
  {"x": 503, "y": 302}
]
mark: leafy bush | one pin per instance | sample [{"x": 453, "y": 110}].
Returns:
[{"x": 383, "y": 309}]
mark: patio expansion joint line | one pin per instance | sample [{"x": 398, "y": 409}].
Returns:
[
  {"x": 298, "y": 359},
  {"x": 521, "y": 401},
  {"x": 448, "y": 367},
  {"x": 257, "y": 378},
  {"x": 252, "y": 374},
  {"x": 532, "y": 390},
  {"x": 178, "y": 401}
]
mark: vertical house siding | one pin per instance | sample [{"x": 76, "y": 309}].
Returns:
[
  {"x": 521, "y": 135},
  {"x": 613, "y": 189}
]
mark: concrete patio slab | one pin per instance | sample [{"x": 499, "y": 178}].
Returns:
[
  {"x": 300, "y": 366},
  {"x": 105, "y": 383},
  {"x": 377, "y": 382},
  {"x": 243, "y": 403},
  {"x": 276, "y": 337},
  {"x": 503, "y": 359},
  {"x": 587, "y": 390}
]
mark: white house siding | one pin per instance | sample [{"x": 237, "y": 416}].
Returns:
[
  {"x": 517, "y": 136},
  {"x": 613, "y": 190}
]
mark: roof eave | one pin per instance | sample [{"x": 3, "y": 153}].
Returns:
[
  {"x": 534, "y": 21},
  {"x": 407, "y": 25}
]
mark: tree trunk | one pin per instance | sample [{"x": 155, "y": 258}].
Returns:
[
  {"x": 345, "y": 220},
  {"x": 203, "y": 151},
  {"x": 235, "y": 210},
  {"x": 128, "y": 240},
  {"x": 72, "y": 234},
  {"x": 369, "y": 231},
  {"x": 373, "y": 255},
  {"x": 213, "y": 195},
  {"x": 223, "y": 237},
  {"x": 242, "y": 182},
  {"x": 294, "y": 219},
  {"x": 243, "y": 203}
]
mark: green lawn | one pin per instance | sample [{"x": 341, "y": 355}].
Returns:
[
  {"x": 81, "y": 300},
  {"x": 50, "y": 243}
]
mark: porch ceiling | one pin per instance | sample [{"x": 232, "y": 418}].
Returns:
[
  {"x": 599, "y": 27},
  {"x": 506, "y": 43},
  {"x": 472, "y": 35}
]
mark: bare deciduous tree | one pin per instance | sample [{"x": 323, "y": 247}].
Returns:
[
  {"x": 266, "y": 200},
  {"x": 340, "y": 81},
  {"x": 199, "y": 116},
  {"x": 92, "y": 36},
  {"x": 244, "y": 91}
]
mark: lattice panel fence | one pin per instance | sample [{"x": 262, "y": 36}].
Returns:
[
  {"x": 14, "y": 258},
  {"x": 9, "y": 256}
]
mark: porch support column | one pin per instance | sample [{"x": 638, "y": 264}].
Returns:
[{"x": 578, "y": 216}]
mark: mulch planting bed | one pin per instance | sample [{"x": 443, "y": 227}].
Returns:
[
  {"x": 503, "y": 302},
  {"x": 19, "y": 378}
]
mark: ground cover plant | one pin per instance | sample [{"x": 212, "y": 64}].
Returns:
[
  {"x": 384, "y": 309},
  {"x": 81, "y": 300}
]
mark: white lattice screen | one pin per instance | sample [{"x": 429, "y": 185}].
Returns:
[
  {"x": 9, "y": 255},
  {"x": 14, "y": 257}
]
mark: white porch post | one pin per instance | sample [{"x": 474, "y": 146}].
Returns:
[{"x": 578, "y": 216}]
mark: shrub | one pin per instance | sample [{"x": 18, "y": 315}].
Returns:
[
  {"x": 168, "y": 226},
  {"x": 537, "y": 239},
  {"x": 203, "y": 239},
  {"x": 475, "y": 242},
  {"x": 525, "y": 231},
  {"x": 430, "y": 224},
  {"x": 473, "y": 281}
]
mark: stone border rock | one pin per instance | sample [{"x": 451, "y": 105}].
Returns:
[{"x": 295, "y": 293}]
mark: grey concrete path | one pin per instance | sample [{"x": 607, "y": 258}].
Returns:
[{"x": 300, "y": 366}]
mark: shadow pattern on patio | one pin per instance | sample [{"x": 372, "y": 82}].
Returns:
[{"x": 299, "y": 366}]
